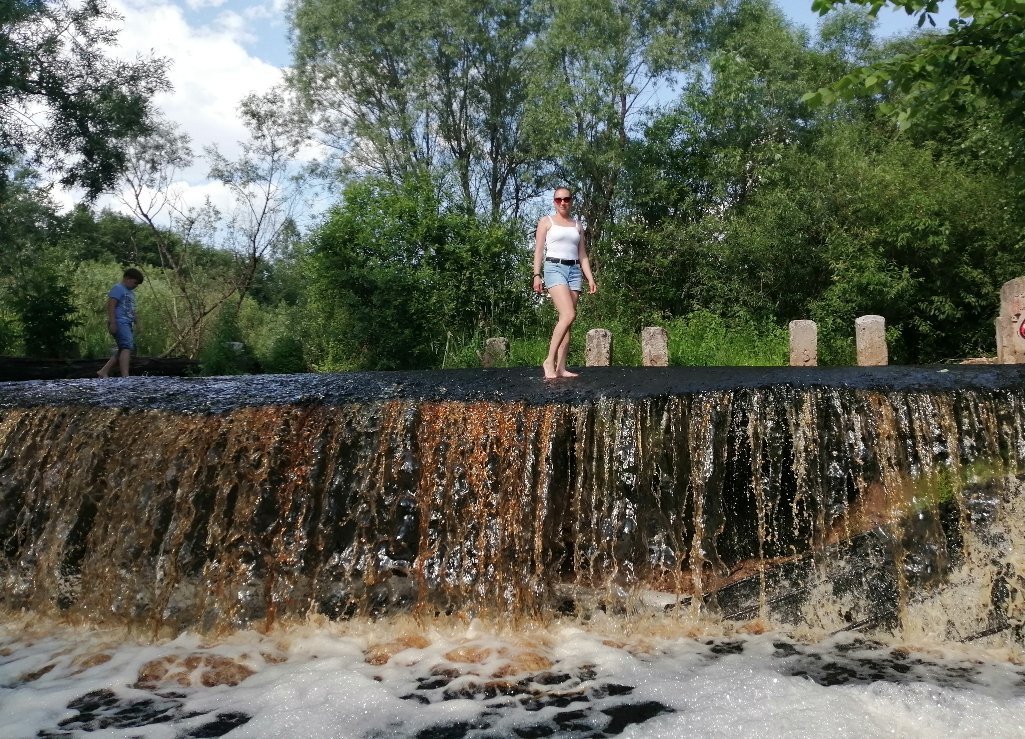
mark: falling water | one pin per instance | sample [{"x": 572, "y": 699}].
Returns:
[
  {"x": 818, "y": 527},
  {"x": 218, "y": 503}
]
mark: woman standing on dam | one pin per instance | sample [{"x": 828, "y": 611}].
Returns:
[{"x": 560, "y": 247}]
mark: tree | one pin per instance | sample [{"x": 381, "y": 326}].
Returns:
[
  {"x": 267, "y": 184},
  {"x": 711, "y": 149},
  {"x": 700, "y": 161},
  {"x": 43, "y": 302},
  {"x": 599, "y": 64},
  {"x": 980, "y": 56},
  {"x": 151, "y": 192},
  {"x": 65, "y": 106},
  {"x": 394, "y": 275},
  {"x": 861, "y": 223},
  {"x": 483, "y": 59},
  {"x": 109, "y": 236},
  {"x": 36, "y": 314},
  {"x": 399, "y": 86}
]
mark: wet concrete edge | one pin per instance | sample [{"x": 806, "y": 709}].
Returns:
[{"x": 521, "y": 384}]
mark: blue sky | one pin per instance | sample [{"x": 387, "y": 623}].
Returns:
[
  {"x": 890, "y": 21},
  {"x": 221, "y": 50},
  {"x": 267, "y": 27},
  {"x": 266, "y": 30}
]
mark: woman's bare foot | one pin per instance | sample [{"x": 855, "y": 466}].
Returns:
[
  {"x": 102, "y": 375},
  {"x": 550, "y": 373},
  {"x": 567, "y": 373}
]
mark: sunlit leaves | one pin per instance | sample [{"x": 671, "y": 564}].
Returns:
[
  {"x": 394, "y": 274},
  {"x": 64, "y": 103},
  {"x": 982, "y": 53},
  {"x": 401, "y": 85}
]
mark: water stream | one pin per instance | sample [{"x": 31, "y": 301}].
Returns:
[{"x": 811, "y": 525}]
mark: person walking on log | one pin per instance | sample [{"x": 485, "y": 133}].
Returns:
[{"x": 122, "y": 322}]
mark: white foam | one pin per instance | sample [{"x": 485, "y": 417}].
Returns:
[{"x": 316, "y": 681}]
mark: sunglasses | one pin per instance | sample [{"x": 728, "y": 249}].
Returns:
[{"x": 564, "y": 200}]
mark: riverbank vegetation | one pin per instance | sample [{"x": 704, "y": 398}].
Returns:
[{"x": 734, "y": 173}]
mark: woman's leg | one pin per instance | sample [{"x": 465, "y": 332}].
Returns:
[
  {"x": 560, "y": 363},
  {"x": 566, "y": 304}
]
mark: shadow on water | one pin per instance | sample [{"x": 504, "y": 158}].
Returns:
[{"x": 840, "y": 499}]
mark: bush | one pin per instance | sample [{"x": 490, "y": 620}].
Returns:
[
  {"x": 272, "y": 332},
  {"x": 285, "y": 356},
  {"x": 394, "y": 273},
  {"x": 9, "y": 337},
  {"x": 43, "y": 302},
  {"x": 705, "y": 339},
  {"x": 224, "y": 351}
]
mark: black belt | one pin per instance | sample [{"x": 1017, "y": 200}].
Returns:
[{"x": 570, "y": 262}]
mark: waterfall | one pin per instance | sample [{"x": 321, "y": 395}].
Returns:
[{"x": 878, "y": 498}]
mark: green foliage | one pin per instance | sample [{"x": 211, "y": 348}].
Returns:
[
  {"x": 392, "y": 273},
  {"x": 699, "y": 339},
  {"x": 528, "y": 351},
  {"x": 272, "y": 333},
  {"x": 596, "y": 63},
  {"x": 743, "y": 202},
  {"x": 29, "y": 223},
  {"x": 732, "y": 210},
  {"x": 54, "y": 69},
  {"x": 109, "y": 236},
  {"x": 402, "y": 85},
  {"x": 43, "y": 303},
  {"x": 980, "y": 56},
  {"x": 93, "y": 280},
  {"x": 224, "y": 350},
  {"x": 877, "y": 226},
  {"x": 9, "y": 339},
  {"x": 285, "y": 356},
  {"x": 705, "y": 339}
]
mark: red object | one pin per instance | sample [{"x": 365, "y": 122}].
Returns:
[{"x": 1021, "y": 328}]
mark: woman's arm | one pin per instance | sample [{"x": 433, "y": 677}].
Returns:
[
  {"x": 539, "y": 253},
  {"x": 585, "y": 265}
]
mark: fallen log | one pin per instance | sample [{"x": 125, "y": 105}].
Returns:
[{"x": 16, "y": 369}]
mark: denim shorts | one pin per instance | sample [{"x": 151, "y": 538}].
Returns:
[
  {"x": 563, "y": 274},
  {"x": 124, "y": 336}
]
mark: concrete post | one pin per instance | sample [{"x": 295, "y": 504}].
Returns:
[
  {"x": 804, "y": 344},
  {"x": 1003, "y": 338},
  {"x": 496, "y": 351},
  {"x": 654, "y": 347},
  {"x": 598, "y": 349},
  {"x": 870, "y": 338},
  {"x": 1010, "y": 324}
]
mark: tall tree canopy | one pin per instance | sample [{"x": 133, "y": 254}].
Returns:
[
  {"x": 502, "y": 98},
  {"x": 600, "y": 67},
  {"x": 65, "y": 105},
  {"x": 402, "y": 84},
  {"x": 980, "y": 56}
]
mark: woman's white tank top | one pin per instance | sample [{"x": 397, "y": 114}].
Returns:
[{"x": 562, "y": 242}]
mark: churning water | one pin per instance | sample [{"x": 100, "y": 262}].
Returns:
[{"x": 641, "y": 552}]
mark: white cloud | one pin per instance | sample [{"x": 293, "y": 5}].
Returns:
[
  {"x": 272, "y": 10},
  {"x": 232, "y": 25},
  {"x": 210, "y": 71},
  {"x": 199, "y": 4}
]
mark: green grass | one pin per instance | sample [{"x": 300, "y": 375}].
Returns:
[
  {"x": 700, "y": 339},
  {"x": 704, "y": 339}
]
